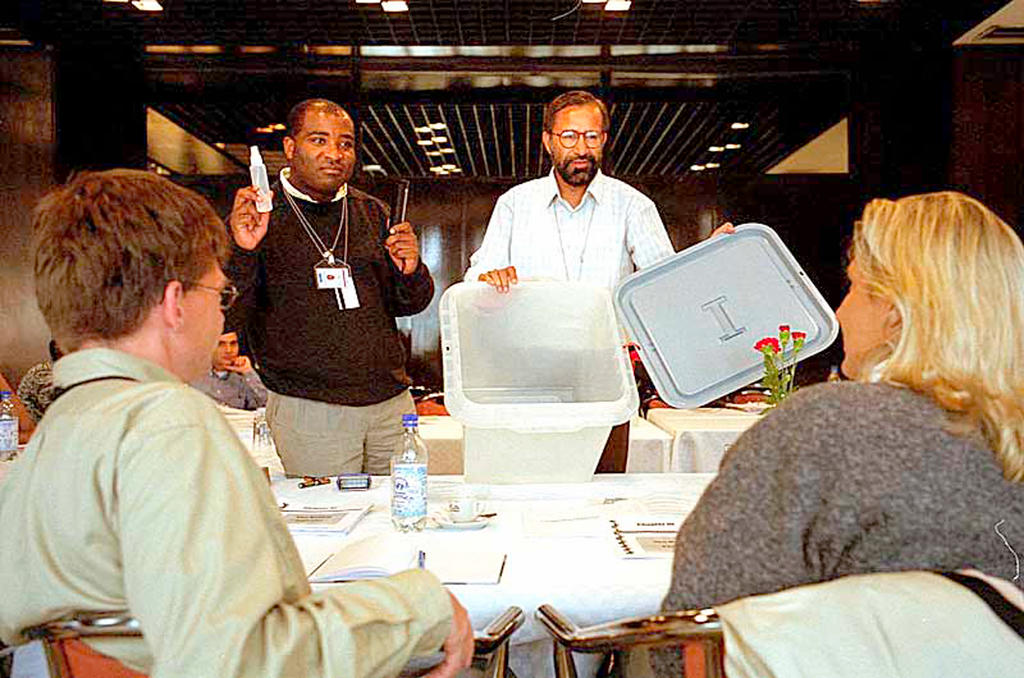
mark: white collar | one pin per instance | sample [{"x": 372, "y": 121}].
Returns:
[
  {"x": 593, "y": 188},
  {"x": 287, "y": 185}
]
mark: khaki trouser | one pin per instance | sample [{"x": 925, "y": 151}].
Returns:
[{"x": 320, "y": 439}]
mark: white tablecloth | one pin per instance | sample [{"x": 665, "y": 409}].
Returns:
[
  {"x": 582, "y": 576},
  {"x": 701, "y": 436},
  {"x": 649, "y": 446}
]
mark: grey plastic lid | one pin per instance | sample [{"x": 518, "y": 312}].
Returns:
[{"x": 697, "y": 314}]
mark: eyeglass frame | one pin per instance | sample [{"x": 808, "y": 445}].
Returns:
[
  {"x": 577, "y": 134},
  {"x": 228, "y": 294}
]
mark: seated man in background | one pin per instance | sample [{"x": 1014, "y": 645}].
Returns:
[
  {"x": 918, "y": 462},
  {"x": 231, "y": 380},
  {"x": 36, "y": 388},
  {"x": 138, "y": 495}
]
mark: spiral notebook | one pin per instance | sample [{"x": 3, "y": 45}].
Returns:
[{"x": 645, "y": 536}]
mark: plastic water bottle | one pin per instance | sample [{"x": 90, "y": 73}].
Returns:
[
  {"x": 8, "y": 427},
  {"x": 409, "y": 478},
  {"x": 263, "y": 450},
  {"x": 833, "y": 374},
  {"x": 258, "y": 174}
]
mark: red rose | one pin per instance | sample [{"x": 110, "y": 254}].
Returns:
[
  {"x": 783, "y": 328},
  {"x": 797, "y": 336}
]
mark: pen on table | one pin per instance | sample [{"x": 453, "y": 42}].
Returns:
[{"x": 421, "y": 560}]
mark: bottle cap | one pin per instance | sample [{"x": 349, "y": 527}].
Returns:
[
  {"x": 7, "y": 394},
  {"x": 254, "y": 156},
  {"x": 410, "y": 419}
]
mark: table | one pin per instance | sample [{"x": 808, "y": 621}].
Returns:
[
  {"x": 649, "y": 446},
  {"x": 700, "y": 436},
  {"x": 577, "y": 568}
]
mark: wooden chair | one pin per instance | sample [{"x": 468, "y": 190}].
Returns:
[{"x": 69, "y": 657}]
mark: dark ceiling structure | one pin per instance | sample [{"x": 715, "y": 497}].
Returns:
[{"x": 727, "y": 86}]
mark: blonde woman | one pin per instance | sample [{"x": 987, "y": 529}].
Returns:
[{"x": 918, "y": 462}]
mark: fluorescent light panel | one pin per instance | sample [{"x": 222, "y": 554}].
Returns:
[
  {"x": 617, "y": 5},
  {"x": 394, "y": 5},
  {"x": 147, "y": 5}
]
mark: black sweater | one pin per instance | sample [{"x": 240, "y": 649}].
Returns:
[{"x": 303, "y": 344}]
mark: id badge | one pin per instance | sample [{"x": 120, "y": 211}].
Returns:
[{"x": 339, "y": 279}]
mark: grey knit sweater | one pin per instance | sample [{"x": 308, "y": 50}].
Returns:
[{"x": 844, "y": 479}]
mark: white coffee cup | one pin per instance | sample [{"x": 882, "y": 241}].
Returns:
[{"x": 464, "y": 509}]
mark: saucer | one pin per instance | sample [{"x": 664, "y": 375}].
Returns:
[{"x": 446, "y": 523}]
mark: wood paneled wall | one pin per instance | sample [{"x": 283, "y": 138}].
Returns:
[
  {"x": 27, "y": 147},
  {"x": 988, "y": 129}
]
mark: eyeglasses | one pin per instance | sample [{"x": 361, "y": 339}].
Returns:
[
  {"x": 228, "y": 294},
  {"x": 569, "y": 137}
]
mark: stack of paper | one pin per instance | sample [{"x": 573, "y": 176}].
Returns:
[
  {"x": 646, "y": 536},
  {"x": 334, "y": 520}
]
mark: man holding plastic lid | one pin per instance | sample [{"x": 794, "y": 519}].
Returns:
[
  {"x": 576, "y": 223},
  {"x": 322, "y": 278}
]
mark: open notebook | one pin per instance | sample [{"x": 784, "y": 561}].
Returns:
[{"x": 385, "y": 554}]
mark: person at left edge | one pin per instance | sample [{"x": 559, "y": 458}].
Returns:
[{"x": 320, "y": 293}]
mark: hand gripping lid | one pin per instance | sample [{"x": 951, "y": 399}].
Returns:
[{"x": 697, "y": 314}]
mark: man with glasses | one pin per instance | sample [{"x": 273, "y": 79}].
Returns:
[
  {"x": 136, "y": 494},
  {"x": 323, "y": 277},
  {"x": 576, "y": 223}
]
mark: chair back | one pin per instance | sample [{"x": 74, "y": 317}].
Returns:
[
  {"x": 698, "y": 633},
  {"x": 68, "y": 657}
]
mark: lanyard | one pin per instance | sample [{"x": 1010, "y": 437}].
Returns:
[
  {"x": 326, "y": 252},
  {"x": 583, "y": 249}
]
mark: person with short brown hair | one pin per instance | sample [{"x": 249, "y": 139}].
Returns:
[{"x": 137, "y": 494}]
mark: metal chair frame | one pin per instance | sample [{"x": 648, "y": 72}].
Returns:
[
  {"x": 490, "y": 651},
  {"x": 697, "y": 632}
]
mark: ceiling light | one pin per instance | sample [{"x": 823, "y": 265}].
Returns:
[
  {"x": 716, "y": 149},
  {"x": 424, "y": 142},
  {"x": 740, "y": 125},
  {"x": 448, "y": 166},
  {"x": 438, "y": 125},
  {"x": 732, "y": 147},
  {"x": 220, "y": 145},
  {"x": 394, "y": 5},
  {"x": 279, "y": 126},
  {"x": 617, "y": 5},
  {"x": 439, "y": 140},
  {"x": 437, "y": 170},
  {"x": 422, "y": 130},
  {"x": 434, "y": 154},
  {"x": 447, "y": 150},
  {"x": 147, "y": 5},
  {"x": 712, "y": 165},
  {"x": 697, "y": 168},
  {"x": 269, "y": 129},
  {"x": 457, "y": 169},
  {"x": 372, "y": 168}
]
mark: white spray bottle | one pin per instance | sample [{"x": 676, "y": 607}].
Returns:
[{"x": 258, "y": 172}]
